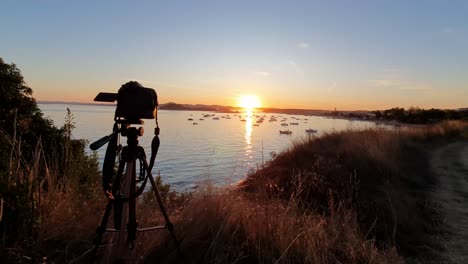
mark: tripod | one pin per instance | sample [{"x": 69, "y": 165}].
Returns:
[{"x": 122, "y": 190}]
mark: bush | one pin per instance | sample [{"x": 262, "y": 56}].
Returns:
[{"x": 39, "y": 162}]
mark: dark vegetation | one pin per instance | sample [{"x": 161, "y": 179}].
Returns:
[
  {"x": 42, "y": 169},
  {"x": 346, "y": 197},
  {"x": 416, "y": 115},
  {"x": 380, "y": 175}
]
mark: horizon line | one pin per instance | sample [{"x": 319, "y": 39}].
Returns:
[{"x": 236, "y": 107}]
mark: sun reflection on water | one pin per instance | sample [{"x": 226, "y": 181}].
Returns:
[{"x": 248, "y": 133}]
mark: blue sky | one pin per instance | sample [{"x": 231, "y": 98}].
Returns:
[{"x": 304, "y": 54}]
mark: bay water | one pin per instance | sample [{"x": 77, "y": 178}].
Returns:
[{"x": 220, "y": 151}]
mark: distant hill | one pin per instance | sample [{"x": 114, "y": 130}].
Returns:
[{"x": 197, "y": 107}]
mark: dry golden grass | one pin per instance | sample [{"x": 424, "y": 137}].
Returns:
[
  {"x": 234, "y": 227},
  {"x": 346, "y": 197},
  {"x": 382, "y": 175}
]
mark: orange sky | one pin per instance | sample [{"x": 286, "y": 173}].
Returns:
[{"x": 291, "y": 54}]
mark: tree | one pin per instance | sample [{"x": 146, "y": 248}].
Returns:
[
  {"x": 377, "y": 114},
  {"x": 30, "y": 147},
  {"x": 20, "y": 118},
  {"x": 16, "y": 98}
]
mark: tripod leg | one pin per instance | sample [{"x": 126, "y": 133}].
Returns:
[
  {"x": 102, "y": 228},
  {"x": 169, "y": 225},
  {"x": 117, "y": 192},
  {"x": 127, "y": 190},
  {"x": 132, "y": 225}
]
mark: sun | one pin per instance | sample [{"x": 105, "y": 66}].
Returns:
[{"x": 249, "y": 102}]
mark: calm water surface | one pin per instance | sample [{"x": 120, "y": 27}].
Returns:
[{"x": 219, "y": 151}]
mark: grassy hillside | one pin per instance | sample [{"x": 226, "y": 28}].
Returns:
[{"x": 345, "y": 197}]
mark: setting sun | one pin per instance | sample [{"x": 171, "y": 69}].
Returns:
[{"x": 249, "y": 101}]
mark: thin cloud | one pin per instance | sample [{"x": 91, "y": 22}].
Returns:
[
  {"x": 453, "y": 31},
  {"x": 385, "y": 83},
  {"x": 303, "y": 45},
  {"x": 399, "y": 85},
  {"x": 415, "y": 88},
  {"x": 296, "y": 67},
  {"x": 448, "y": 30},
  {"x": 292, "y": 63},
  {"x": 263, "y": 73}
]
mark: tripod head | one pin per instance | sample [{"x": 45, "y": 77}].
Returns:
[
  {"x": 122, "y": 127},
  {"x": 132, "y": 133}
]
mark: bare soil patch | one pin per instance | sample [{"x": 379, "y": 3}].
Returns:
[{"x": 449, "y": 164}]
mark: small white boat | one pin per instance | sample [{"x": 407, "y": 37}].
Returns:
[
  {"x": 195, "y": 123},
  {"x": 190, "y": 119},
  {"x": 311, "y": 131},
  {"x": 284, "y": 124},
  {"x": 285, "y": 132},
  {"x": 215, "y": 118}
]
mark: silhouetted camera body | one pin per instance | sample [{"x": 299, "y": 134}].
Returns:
[{"x": 134, "y": 102}]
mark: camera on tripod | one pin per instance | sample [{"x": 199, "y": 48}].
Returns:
[
  {"x": 134, "y": 102},
  {"x": 122, "y": 186}
]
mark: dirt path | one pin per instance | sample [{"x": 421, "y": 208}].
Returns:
[{"x": 450, "y": 165}]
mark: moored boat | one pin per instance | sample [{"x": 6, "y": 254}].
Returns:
[
  {"x": 310, "y": 130},
  {"x": 285, "y": 132}
]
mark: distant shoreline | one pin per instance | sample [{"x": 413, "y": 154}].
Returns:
[
  {"x": 395, "y": 116},
  {"x": 355, "y": 115},
  {"x": 219, "y": 108}
]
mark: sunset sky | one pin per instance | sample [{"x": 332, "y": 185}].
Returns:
[{"x": 290, "y": 54}]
